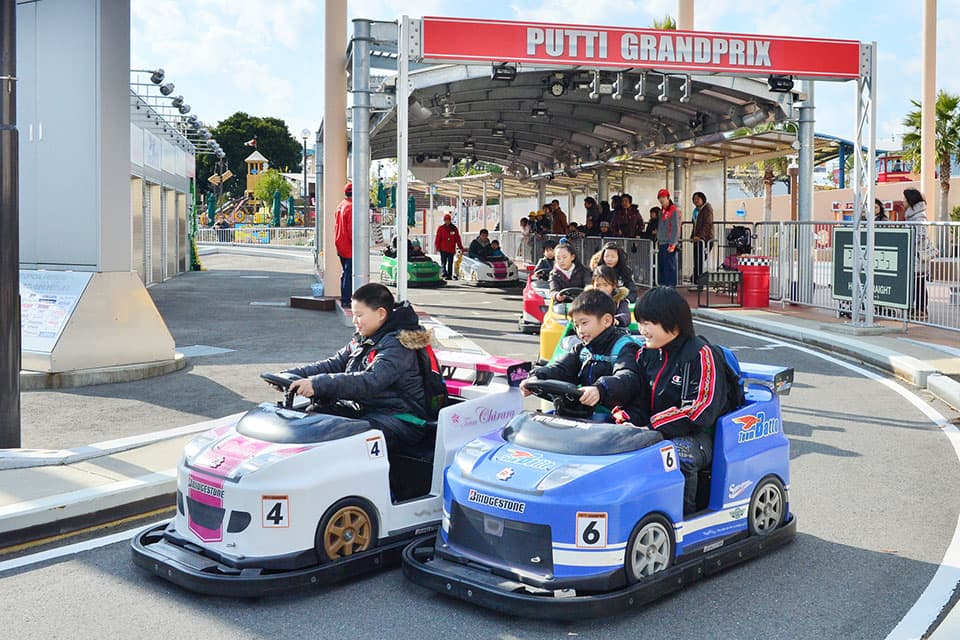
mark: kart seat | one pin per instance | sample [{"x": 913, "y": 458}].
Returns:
[{"x": 411, "y": 466}]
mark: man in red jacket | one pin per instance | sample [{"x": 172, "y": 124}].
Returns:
[
  {"x": 447, "y": 242},
  {"x": 343, "y": 239}
]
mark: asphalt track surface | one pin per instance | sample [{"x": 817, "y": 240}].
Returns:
[{"x": 872, "y": 487}]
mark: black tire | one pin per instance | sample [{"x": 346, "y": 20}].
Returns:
[
  {"x": 348, "y": 527},
  {"x": 650, "y": 549},
  {"x": 768, "y": 507}
]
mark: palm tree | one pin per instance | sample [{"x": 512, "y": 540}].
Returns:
[
  {"x": 667, "y": 24},
  {"x": 947, "y": 142}
]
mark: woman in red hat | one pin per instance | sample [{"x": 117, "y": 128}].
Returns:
[
  {"x": 447, "y": 242},
  {"x": 668, "y": 235}
]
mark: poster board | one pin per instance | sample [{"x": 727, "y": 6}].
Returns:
[{"x": 47, "y": 300}]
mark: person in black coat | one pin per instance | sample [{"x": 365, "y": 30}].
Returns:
[
  {"x": 567, "y": 270},
  {"x": 376, "y": 375}
]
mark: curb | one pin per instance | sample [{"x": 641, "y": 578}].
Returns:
[
  {"x": 38, "y": 380},
  {"x": 27, "y": 458},
  {"x": 85, "y": 503}
]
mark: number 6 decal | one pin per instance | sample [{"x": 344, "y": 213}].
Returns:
[
  {"x": 275, "y": 512},
  {"x": 592, "y": 530},
  {"x": 669, "y": 457}
]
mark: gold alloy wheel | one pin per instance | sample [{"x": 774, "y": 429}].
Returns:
[{"x": 347, "y": 532}]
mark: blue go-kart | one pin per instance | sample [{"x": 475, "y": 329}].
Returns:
[{"x": 564, "y": 518}]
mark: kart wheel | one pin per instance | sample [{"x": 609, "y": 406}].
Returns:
[
  {"x": 347, "y": 527},
  {"x": 650, "y": 549},
  {"x": 768, "y": 508}
]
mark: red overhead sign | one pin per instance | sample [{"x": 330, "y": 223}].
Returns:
[{"x": 469, "y": 40}]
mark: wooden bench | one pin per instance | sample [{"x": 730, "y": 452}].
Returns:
[{"x": 720, "y": 282}]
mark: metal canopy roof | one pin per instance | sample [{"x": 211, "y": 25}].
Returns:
[{"x": 458, "y": 111}]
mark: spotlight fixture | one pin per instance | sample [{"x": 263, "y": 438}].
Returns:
[
  {"x": 469, "y": 143},
  {"x": 664, "y": 88},
  {"x": 571, "y": 171},
  {"x": 686, "y": 89},
  {"x": 780, "y": 84},
  {"x": 594, "y": 86},
  {"x": 167, "y": 89},
  {"x": 754, "y": 118},
  {"x": 176, "y": 101},
  {"x": 641, "y": 88},
  {"x": 184, "y": 109},
  {"x": 503, "y": 71},
  {"x": 420, "y": 158},
  {"x": 618, "y": 87},
  {"x": 696, "y": 122},
  {"x": 539, "y": 111},
  {"x": 157, "y": 76},
  {"x": 558, "y": 85},
  {"x": 499, "y": 129},
  {"x": 446, "y": 156}
]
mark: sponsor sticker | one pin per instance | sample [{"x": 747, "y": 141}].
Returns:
[
  {"x": 496, "y": 502},
  {"x": 755, "y": 427},
  {"x": 505, "y": 474},
  {"x": 737, "y": 513},
  {"x": 525, "y": 459},
  {"x": 275, "y": 512},
  {"x": 669, "y": 458},
  {"x": 735, "y": 490},
  {"x": 592, "y": 530}
]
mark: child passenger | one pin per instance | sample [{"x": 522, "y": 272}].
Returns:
[
  {"x": 682, "y": 387},
  {"x": 567, "y": 270},
  {"x": 376, "y": 375},
  {"x": 545, "y": 265},
  {"x": 605, "y": 279},
  {"x": 495, "y": 251},
  {"x": 605, "y": 378}
]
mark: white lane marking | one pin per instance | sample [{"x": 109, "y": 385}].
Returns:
[
  {"x": 940, "y": 589},
  {"x": 71, "y": 549}
]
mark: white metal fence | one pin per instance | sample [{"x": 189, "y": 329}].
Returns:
[{"x": 277, "y": 236}]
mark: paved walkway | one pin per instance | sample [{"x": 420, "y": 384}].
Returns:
[{"x": 232, "y": 322}]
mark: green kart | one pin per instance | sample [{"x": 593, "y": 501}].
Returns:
[{"x": 421, "y": 271}]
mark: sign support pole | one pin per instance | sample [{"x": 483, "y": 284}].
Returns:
[
  {"x": 403, "y": 92},
  {"x": 360, "y": 155},
  {"x": 9, "y": 231},
  {"x": 864, "y": 188}
]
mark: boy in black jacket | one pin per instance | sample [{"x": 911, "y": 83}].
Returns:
[
  {"x": 606, "y": 377},
  {"x": 683, "y": 390},
  {"x": 376, "y": 375}
]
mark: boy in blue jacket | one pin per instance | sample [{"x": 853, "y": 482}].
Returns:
[
  {"x": 604, "y": 364},
  {"x": 376, "y": 376}
]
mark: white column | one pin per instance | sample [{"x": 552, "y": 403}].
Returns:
[
  {"x": 334, "y": 135},
  {"x": 685, "y": 15},
  {"x": 928, "y": 110}
]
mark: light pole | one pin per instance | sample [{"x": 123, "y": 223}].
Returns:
[{"x": 306, "y": 189}]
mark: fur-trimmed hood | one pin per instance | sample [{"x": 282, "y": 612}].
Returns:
[
  {"x": 620, "y": 294},
  {"x": 415, "y": 338}
]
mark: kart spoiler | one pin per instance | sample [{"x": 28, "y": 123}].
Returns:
[
  {"x": 778, "y": 380},
  {"x": 485, "y": 367}
]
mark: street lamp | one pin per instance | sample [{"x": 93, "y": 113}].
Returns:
[{"x": 305, "y": 134}]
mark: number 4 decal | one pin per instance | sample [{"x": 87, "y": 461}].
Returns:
[
  {"x": 592, "y": 530},
  {"x": 275, "y": 511},
  {"x": 669, "y": 457},
  {"x": 375, "y": 447}
]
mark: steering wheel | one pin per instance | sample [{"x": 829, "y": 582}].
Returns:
[
  {"x": 283, "y": 382},
  {"x": 565, "y": 396},
  {"x": 568, "y": 294}
]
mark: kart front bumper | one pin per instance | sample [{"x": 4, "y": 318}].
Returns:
[
  {"x": 199, "y": 573},
  {"x": 474, "y": 584}
]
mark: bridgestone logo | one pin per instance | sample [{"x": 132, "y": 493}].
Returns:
[
  {"x": 204, "y": 488},
  {"x": 495, "y": 502}
]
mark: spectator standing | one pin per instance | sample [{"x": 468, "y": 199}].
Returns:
[
  {"x": 592, "y": 221},
  {"x": 652, "y": 222},
  {"x": 627, "y": 221},
  {"x": 668, "y": 235},
  {"x": 879, "y": 215},
  {"x": 559, "y": 218},
  {"x": 606, "y": 214},
  {"x": 343, "y": 240},
  {"x": 702, "y": 234},
  {"x": 917, "y": 213},
  {"x": 447, "y": 242}
]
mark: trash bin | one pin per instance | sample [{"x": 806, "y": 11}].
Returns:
[{"x": 756, "y": 281}]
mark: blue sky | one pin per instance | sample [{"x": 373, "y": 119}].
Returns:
[{"x": 265, "y": 58}]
